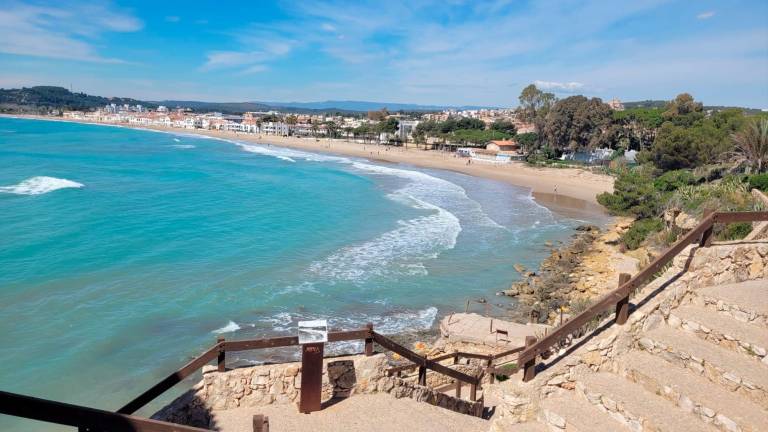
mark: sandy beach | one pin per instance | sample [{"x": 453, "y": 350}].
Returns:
[{"x": 568, "y": 191}]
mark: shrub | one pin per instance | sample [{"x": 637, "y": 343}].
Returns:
[
  {"x": 673, "y": 180},
  {"x": 633, "y": 194},
  {"x": 734, "y": 231},
  {"x": 639, "y": 230},
  {"x": 759, "y": 181}
]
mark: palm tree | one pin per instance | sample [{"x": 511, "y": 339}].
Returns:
[{"x": 752, "y": 145}]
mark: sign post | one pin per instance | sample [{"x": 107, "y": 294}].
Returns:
[{"x": 312, "y": 337}]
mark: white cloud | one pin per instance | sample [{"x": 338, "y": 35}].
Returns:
[
  {"x": 705, "y": 15},
  {"x": 328, "y": 27},
  {"x": 565, "y": 87},
  {"x": 257, "y": 68},
  {"x": 63, "y": 33}
]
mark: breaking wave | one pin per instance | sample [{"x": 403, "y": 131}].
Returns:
[
  {"x": 229, "y": 328},
  {"x": 40, "y": 185}
]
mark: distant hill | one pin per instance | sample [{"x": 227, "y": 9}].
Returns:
[
  {"x": 241, "y": 107},
  {"x": 50, "y": 97},
  {"x": 43, "y": 98},
  {"x": 646, "y": 104}
]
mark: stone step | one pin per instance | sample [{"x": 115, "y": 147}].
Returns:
[
  {"x": 640, "y": 409},
  {"x": 692, "y": 393},
  {"x": 574, "y": 414},
  {"x": 736, "y": 372},
  {"x": 745, "y": 301},
  {"x": 721, "y": 329}
]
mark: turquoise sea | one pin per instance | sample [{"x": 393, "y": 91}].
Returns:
[{"x": 124, "y": 252}]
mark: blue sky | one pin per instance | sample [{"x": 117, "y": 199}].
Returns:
[{"x": 431, "y": 52}]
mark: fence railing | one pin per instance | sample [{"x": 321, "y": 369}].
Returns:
[
  {"x": 619, "y": 298},
  {"x": 83, "y": 418}
]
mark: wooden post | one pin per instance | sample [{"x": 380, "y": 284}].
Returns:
[
  {"x": 473, "y": 392},
  {"x": 622, "y": 306},
  {"x": 529, "y": 368},
  {"x": 455, "y": 356},
  {"x": 423, "y": 375},
  {"x": 369, "y": 340},
  {"x": 222, "y": 355},
  {"x": 489, "y": 366},
  {"x": 706, "y": 236},
  {"x": 260, "y": 423},
  {"x": 458, "y": 389},
  {"x": 311, "y": 377}
]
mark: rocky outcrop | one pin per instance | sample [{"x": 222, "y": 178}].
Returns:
[{"x": 587, "y": 267}]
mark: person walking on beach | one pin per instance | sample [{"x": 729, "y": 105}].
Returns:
[{"x": 555, "y": 189}]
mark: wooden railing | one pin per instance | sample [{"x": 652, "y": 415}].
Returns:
[
  {"x": 83, "y": 418},
  {"x": 91, "y": 419},
  {"x": 219, "y": 352},
  {"x": 619, "y": 298}
]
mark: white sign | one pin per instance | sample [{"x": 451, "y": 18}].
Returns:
[{"x": 313, "y": 331}]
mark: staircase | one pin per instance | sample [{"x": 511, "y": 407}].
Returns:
[{"x": 693, "y": 359}]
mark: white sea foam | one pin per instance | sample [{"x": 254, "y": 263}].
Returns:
[
  {"x": 177, "y": 140},
  {"x": 183, "y": 146},
  {"x": 40, "y": 185},
  {"x": 394, "y": 251},
  {"x": 287, "y": 154},
  {"x": 229, "y": 328},
  {"x": 403, "y": 250}
]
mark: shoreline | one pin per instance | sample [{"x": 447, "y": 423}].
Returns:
[{"x": 569, "y": 192}]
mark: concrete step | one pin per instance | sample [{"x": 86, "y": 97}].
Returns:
[
  {"x": 693, "y": 393},
  {"x": 745, "y": 301},
  {"x": 640, "y": 409},
  {"x": 574, "y": 414},
  {"x": 736, "y": 372},
  {"x": 721, "y": 329}
]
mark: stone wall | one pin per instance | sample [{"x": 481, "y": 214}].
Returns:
[
  {"x": 280, "y": 384},
  {"x": 695, "y": 267}
]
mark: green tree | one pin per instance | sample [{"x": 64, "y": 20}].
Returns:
[
  {"x": 684, "y": 110},
  {"x": 528, "y": 141},
  {"x": 633, "y": 194},
  {"x": 332, "y": 128},
  {"x": 388, "y": 126},
  {"x": 505, "y": 126},
  {"x": 576, "y": 123},
  {"x": 675, "y": 147}
]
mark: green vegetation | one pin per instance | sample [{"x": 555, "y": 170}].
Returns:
[
  {"x": 640, "y": 230},
  {"x": 46, "y": 98},
  {"x": 634, "y": 194},
  {"x": 467, "y": 131},
  {"x": 759, "y": 181}
]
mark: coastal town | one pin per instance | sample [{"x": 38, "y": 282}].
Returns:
[{"x": 379, "y": 127}]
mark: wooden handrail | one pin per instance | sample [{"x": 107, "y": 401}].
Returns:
[
  {"x": 423, "y": 362},
  {"x": 701, "y": 233},
  {"x": 83, "y": 418},
  {"x": 218, "y": 351}
]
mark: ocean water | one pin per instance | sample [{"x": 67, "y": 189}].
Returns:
[{"x": 123, "y": 252}]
